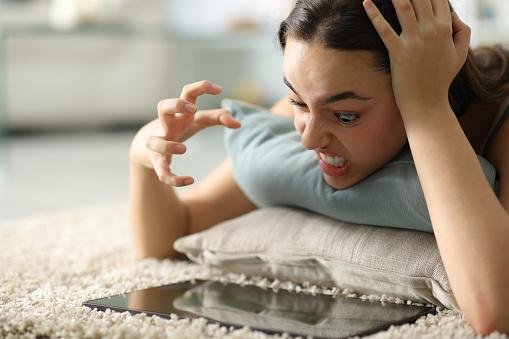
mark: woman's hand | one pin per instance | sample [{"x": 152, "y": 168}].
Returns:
[
  {"x": 427, "y": 55},
  {"x": 156, "y": 142}
]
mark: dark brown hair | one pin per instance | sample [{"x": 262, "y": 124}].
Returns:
[{"x": 344, "y": 25}]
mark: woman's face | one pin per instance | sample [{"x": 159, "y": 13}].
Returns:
[{"x": 344, "y": 110}]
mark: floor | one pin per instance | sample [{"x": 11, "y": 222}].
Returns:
[{"x": 47, "y": 173}]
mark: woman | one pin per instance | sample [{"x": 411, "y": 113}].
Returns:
[{"x": 361, "y": 86}]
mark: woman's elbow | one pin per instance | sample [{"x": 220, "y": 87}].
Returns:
[
  {"x": 486, "y": 327},
  {"x": 486, "y": 322}
]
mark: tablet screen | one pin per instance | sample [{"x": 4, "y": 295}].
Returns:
[{"x": 264, "y": 309}]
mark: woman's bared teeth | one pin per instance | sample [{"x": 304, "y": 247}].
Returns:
[{"x": 335, "y": 160}]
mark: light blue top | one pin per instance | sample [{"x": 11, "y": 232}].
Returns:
[{"x": 273, "y": 169}]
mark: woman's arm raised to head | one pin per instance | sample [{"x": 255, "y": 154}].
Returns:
[{"x": 471, "y": 225}]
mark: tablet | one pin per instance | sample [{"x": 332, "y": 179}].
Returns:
[{"x": 267, "y": 310}]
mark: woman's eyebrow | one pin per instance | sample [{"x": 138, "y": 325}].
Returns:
[
  {"x": 287, "y": 83},
  {"x": 333, "y": 98}
]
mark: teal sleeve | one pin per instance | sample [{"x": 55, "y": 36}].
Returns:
[{"x": 273, "y": 169}]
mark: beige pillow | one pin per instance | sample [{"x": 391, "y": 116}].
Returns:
[{"x": 296, "y": 245}]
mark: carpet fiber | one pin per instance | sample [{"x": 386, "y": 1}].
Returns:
[{"x": 50, "y": 264}]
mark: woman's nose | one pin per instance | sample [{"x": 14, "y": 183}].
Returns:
[{"x": 314, "y": 135}]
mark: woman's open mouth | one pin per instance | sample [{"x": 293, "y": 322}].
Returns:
[{"x": 333, "y": 165}]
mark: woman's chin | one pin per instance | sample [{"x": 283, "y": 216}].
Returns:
[
  {"x": 338, "y": 183},
  {"x": 342, "y": 183}
]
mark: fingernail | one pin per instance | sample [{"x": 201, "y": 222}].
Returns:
[
  {"x": 188, "y": 181},
  {"x": 180, "y": 148},
  {"x": 190, "y": 108},
  {"x": 367, "y": 4},
  {"x": 217, "y": 87}
]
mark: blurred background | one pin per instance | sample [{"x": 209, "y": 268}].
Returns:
[{"x": 78, "y": 78}]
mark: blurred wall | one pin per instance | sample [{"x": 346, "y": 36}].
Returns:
[
  {"x": 57, "y": 81},
  {"x": 89, "y": 80}
]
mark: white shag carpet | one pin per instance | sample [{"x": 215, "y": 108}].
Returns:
[{"x": 50, "y": 264}]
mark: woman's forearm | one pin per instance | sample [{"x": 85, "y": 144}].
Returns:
[
  {"x": 470, "y": 224},
  {"x": 157, "y": 217}
]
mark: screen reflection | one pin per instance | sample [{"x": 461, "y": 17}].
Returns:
[{"x": 282, "y": 311}]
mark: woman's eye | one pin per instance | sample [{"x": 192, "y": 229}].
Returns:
[
  {"x": 346, "y": 118},
  {"x": 296, "y": 103}
]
